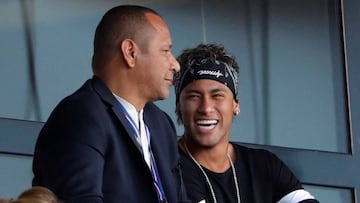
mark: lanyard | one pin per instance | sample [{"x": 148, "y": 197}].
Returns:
[
  {"x": 132, "y": 123},
  {"x": 153, "y": 168}
]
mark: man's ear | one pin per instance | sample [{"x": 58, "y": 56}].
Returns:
[
  {"x": 178, "y": 113},
  {"x": 236, "y": 108},
  {"x": 129, "y": 49}
]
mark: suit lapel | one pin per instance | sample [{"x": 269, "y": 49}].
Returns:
[
  {"x": 109, "y": 99},
  {"x": 126, "y": 124}
]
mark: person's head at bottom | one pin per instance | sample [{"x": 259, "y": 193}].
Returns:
[{"x": 36, "y": 194}]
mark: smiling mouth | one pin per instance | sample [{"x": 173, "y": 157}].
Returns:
[{"x": 207, "y": 122}]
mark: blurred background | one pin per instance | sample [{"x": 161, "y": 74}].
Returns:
[{"x": 299, "y": 77}]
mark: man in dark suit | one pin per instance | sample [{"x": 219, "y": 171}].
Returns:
[{"x": 107, "y": 142}]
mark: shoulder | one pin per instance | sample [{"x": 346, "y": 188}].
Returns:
[
  {"x": 77, "y": 99},
  {"x": 83, "y": 102},
  {"x": 259, "y": 160},
  {"x": 79, "y": 116},
  {"x": 271, "y": 173},
  {"x": 252, "y": 153}
]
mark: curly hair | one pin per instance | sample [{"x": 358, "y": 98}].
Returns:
[
  {"x": 212, "y": 52},
  {"x": 201, "y": 54},
  {"x": 206, "y": 51}
]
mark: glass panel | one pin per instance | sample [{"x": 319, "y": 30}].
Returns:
[
  {"x": 18, "y": 136},
  {"x": 14, "y": 83},
  {"x": 331, "y": 194},
  {"x": 290, "y": 53},
  {"x": 15, "y": 175},
  {"x": 20, "y": 167},
  {"x": 292, "y": 83}
]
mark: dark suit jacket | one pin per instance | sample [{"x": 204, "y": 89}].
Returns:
[{"x": 86, "y": 152}]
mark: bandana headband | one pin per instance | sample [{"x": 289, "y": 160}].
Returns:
[{"x": 206, "y": 69}]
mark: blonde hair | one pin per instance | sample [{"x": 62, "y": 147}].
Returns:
[{"x": 36, "y": 194}]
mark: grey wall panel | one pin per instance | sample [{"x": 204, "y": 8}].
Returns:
[{"x": 18, "y": 136}]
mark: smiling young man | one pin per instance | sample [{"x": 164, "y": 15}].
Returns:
[{"x": 214, "y": 169}]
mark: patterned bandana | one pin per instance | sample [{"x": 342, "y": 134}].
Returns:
[{"x": 206, "y": 69}]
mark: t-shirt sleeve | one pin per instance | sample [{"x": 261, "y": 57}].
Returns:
[
  {"x": 270, "y": 177},
  {"x": 283, "y": 179},
  {"x": 286, "y": 186}
]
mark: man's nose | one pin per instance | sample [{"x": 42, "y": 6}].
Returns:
[
  {"x": 206, "y": 106},
  {"x": 175, "y": 66}
]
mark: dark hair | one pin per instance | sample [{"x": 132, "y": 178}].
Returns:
[
  {"x": 203, "y": 52},
  {"x": 206, "y": 51},
  {"x": 117, "y": 24}
]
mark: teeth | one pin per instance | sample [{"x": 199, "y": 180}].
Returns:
[{"x": 206, "y": 122}]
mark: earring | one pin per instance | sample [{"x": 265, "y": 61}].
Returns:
[{"x": 236, "y": 113}]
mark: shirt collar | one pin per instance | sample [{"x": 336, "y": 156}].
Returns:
[{"x": 131, "y": 110}]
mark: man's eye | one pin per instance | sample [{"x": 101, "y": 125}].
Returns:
[
  {"x": 218, "y": 95},
  {"x": 192, "y": 96}
]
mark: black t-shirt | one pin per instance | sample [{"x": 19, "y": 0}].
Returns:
[
  {"x": 223, "y": 185},
  {"x": 262, "y": 177}
]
